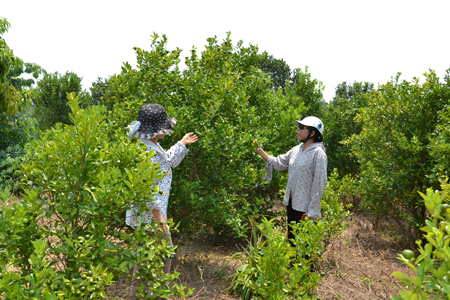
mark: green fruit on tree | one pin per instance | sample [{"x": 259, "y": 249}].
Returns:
[{"x": 408, "y": 254}]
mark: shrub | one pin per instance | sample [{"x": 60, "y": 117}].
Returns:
[
  {"x": 67, "y": 237},
  {"x": 432, "y": 267},
  {"x": 228, "y": 102},
  {"x": 9, "y": 163},
  {"x": 440, "y": 138},
  {"x": 50, "y": 98},
  {"x": 340, "y": 124},
  {"x": 15, "y": 132},
  {"x": 393, "y": 147},
  {"x": 272, "y": 269},
  {"x": 334, "y": 212}
]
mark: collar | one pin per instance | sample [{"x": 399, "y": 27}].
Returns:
[
  {"x": 315, "y": 145},
  {"x": 153, "y": 146}
]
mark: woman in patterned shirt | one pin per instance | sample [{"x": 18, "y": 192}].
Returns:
[
  {"x": 152, "y": 125},
  {"x": 307, "y": 167}
]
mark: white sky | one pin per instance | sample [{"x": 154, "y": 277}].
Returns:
[{"x": 338, "y": 40}]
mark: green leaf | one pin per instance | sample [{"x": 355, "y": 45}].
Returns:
[{"x": 403, "y": 277}]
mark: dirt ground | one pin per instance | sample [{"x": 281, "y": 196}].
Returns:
[{"x": 357, "y": 265}]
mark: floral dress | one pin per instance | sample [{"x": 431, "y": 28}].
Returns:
[{"x": 167, "y": 160}]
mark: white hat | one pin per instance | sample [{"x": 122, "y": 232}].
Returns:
[{"x": 312, "y": 122}]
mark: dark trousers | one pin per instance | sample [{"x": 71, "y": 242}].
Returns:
[{"x": 292, "y": 216}]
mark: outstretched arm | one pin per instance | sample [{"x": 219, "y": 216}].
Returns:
[{"x": 178, "y": 151}]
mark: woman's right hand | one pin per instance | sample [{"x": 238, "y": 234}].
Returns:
[
  {"x": 160, "y": 220},
  {"x": 261, "y": 151}
]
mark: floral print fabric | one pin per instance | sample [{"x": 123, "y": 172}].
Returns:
[{"x": 167, "y": 160}]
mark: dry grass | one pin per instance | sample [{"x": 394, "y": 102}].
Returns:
[{"x": 357, "y": 265}]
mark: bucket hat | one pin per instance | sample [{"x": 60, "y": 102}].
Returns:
[{"x": 152, "y": 121}]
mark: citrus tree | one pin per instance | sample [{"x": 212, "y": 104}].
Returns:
[
  {"x": 223, "y": 97},
  {"x": 13, "y": 93},
  {"x": 440, "y": 138},
  {"x": 50, "y": 98},
  {"x": 432, "y": 267},
  {"x": 393, "y": 146},
  {"x": 16, "y": 124},
  {"x": 340, "y": 124},
  {"x": 272, "y": 269},
  {"x": 67, "y": 238}
]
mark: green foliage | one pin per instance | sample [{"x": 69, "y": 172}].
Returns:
[
  {"x": 43, "y": 281},
  {"x": 99, "y": 89},
  {"x": 340, "y": 125},
  {"x": 16, "y": 125},
  {"x": 15, "y": 132},
  {"x": 334, "y": 212},
  {"x": 79, "y": 185},
  {"x": 9, "y": 163},
  {"x": 14, "y": 95},
  {"x": 440, "y": 139},
  {"x": 393, "y": 146},
  {"x": 51, "y": 101},
  {"x": 228, "y": 102},
  {"x": 432, "y": 267},
  {"x": 278, "y": 70},
  {"x": 4, "y": 25},
  {"x": 272, "y": 269},
  {"x": 309, "y": 91}
]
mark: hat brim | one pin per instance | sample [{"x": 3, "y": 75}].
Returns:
[{"x": 166, "y": 129}]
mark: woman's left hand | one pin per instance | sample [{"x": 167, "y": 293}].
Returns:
[{"x": 189, "y": 139}]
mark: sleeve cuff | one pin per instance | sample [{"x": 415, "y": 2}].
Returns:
[
  {"x": 269, "y": 170},
  {"x": 183, "y": 146},
  {"x": 314, "y": 215}
]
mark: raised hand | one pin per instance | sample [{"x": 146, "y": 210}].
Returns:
[{"x": 189, "y": 138}]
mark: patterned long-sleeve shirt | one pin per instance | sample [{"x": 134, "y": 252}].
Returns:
[
  {"x": 167, "y": 160},
  {"x": 307, "y": 177}
]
